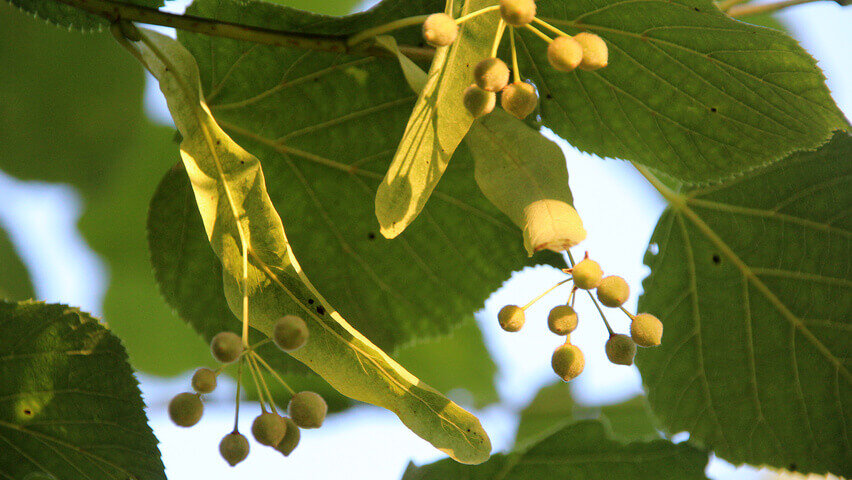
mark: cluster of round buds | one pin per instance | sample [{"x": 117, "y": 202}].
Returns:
[
  {"x": 612, "y": 291},
  {"x": 491, "y": 76},
  {"x": 269, "y": 428}
]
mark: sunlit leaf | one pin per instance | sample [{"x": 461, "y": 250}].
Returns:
[
  {"x": 71, "y": 407},
  {"x": 752, "y": 282},
  {"x": 247, "y": 235}
]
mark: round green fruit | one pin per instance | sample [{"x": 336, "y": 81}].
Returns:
[
  {"x": 511, "y": 318},
  {"x": 234, "y": 448},
  {"x": 568, "y": 361},
  {"x": 646, "y": 330},
  {"x": 517, "y": 13},
  {"x": 478, "y": 101},
  {"x": 185, "y": 409},
  {"x": 519, "y": 99},
  {"x": 226, "y": 347},
  {"x": 291, "y": 438},
  {"x": 204, "y": 380},
  {"x": 307, "y": 409},
  {"x": 290, "y": 333},
  {"x": 595, "y": 52},
  {"x": 268, "y": 429},
  {"x": 587, "y": 274},
  {"x": 440, "y": 30},
  {"x": 564, "y": 53},
  {"x": 620, "y": 349},
  {"x": 562, "y": 320},
  {"x": 613, "y": 291},
  {"x": 491, "y": 74}
]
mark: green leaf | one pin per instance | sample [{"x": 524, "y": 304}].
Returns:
[
  {"x": 71, "y": 407},
  {"x": 15, "y": 281},
  {"x": 437, "y": 125},
  {"x": 553, "y": 406},
  {"x": 752, "y": 282},
  {"x": 323, "y": 166},
  {"x": 263, "y": 278},
  {"x": 524, "y": 174},
  {"x": 688, "y": 91},
  {"x": 580, "y": 451},
  {"x": 77, "y": 118}
]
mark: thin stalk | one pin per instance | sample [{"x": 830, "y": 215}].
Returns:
[
  {"x": 501, "y": 27},
  {"x": 385, "y": 28},
  {"x": 515, "y": 70},
  {"x": 543, "y": 294},
  {"x": 475, "y": 14},
  {"x": 113, "y": 11},
  {"x": 603, "y": 317},
  {"x": 550, "y": 27},
  {"x": 538, "y": 33},
  {"x": 263, "y": 383},
  {"x": 744, "y": 10},
  {"x": 274, "y": 374},
  {"x": 629, "y": 315},
  {"x": 237, "y": 401},
  {"x": 254, "y": 375},
  {"x": 571, "y": 297}
]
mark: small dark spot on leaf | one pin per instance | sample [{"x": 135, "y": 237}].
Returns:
[
  {"x": 792, "y": 467},
  {"x": 310, "y": 301},
  {"x": 371, "y": 236},
  {"x": 218, "y": 142},
  {"x": 717, "y": 259},
  {"x": 28, "y": 412},
  {"x": 713, "y": 109},
  {"x": 548, "y": 96},
  {"x": 320, "y": 310},
  {"x": 696, "y": 9}
]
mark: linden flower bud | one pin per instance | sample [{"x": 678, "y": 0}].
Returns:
[
  {"x": 620, "y": 349},
  {"x": 511, "y": 318},
  {"x": 234, "y": 448},
  {"x": 587, "y": 274},
  {"x": 440, "y": 30},
  {"x": 519, "y": 99},
  {"x": 290, "y": 333},
  {"x": 553, "y": 225},
  {"x": 646, "y": 330},
  {"x": 185, "y": 409},
  {"x": 491, "y": 74},
  {"x": 595, "y": 53},
  {"x": 268, "y": 429},
  {"x": 226, "y": 347},
  {"x": 478, "y": 101},
  {"x": 517, "y": 12},
  {"x": 291, "y": 438},
  {"x": 564, "y": 53},
  {"x": 307, "y": 409},
  {"x": 562, "y": 320},
  {"x": 568, "y": 362},
  {"x": 204, "y": 380},
  {"x": 613, "y": 291}
]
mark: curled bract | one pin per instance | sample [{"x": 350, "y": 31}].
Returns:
[{"x": 551, "y": 225}]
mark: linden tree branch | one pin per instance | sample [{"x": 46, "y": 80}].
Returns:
[{"x": 113, "y": 11}]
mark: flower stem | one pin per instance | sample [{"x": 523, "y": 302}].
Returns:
[
  {"x": 538, "y": 33},
  {"x": 475, "y": 14},
  {"x": 515, "y": 70},
  {"x": 237, "y": 401},
  {"x": 274, "y": 374},
  {"x": 501, "y": 27},
  {"x": 528, "y": 305},
  {"x": 550, "y": 27},
  {"x": 385, "y": 28}
]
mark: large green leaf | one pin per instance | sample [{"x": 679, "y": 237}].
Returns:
[
  {"x": 752, "y": 281},
  {"x": 580, "y": 451},
  {"x": 436, "y": 126},
  {"x": 688, "y": 90},
  {"x": 71, "y": 407},
  {"x": 15, "y": 281},
  {"x": 72, "y": 113},
  {"x": 263, "y": 280},
  {"x": 71, "y": 18},
  {"x": 323, "y": 182}
]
